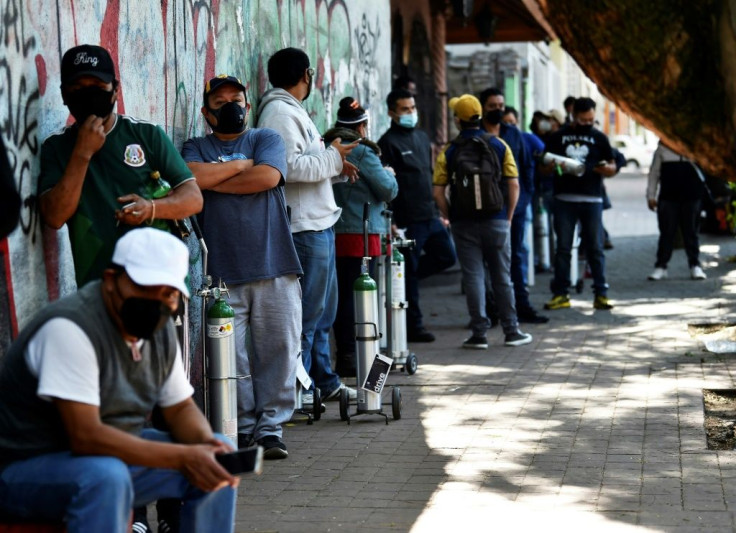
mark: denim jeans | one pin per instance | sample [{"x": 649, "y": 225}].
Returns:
[
  {"x": 566, "y": 217},
  {"x": 519, "y": 260},
  {"x": 97, "y": 493},
  {"x": 670, "y": 216},
  {"x": 316, "y": 251},
  {"x": 432, "y": 238},
  {"x": 486, "y": 241}
]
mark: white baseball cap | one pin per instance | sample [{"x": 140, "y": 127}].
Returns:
[{"x": 153, "y": 257}]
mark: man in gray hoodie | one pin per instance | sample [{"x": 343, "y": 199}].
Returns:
[{"x": 311, "y": 169}]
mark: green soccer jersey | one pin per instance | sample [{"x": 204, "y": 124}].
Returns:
[{"x": 132, "y": 150}]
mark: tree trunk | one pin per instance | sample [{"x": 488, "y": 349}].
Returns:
[{"x": 671, "y": 64}]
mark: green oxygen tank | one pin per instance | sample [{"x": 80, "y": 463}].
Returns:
[
  {"x": 221, "y": 367},
  {"x": 365, "y": 306}
]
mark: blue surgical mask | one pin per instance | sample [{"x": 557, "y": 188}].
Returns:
[{"x": 409, "y": 120}]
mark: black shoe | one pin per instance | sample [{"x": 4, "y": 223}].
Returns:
[
  {"x": 140, "y": 520},
  {"x": 517, "y": 339},
  {"x": 245, "y": 440},
  {"x": 476, "y": 342},
  {"x": 168, "y": 511},
  {"x": 420, "y": 335},
  {"x": 529, "y": 315},
  {"x": 273, "y": 447}
]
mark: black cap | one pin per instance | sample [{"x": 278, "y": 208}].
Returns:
[
  {"x": 218, "y": 81},
  {"x": 87, "y": 60}
]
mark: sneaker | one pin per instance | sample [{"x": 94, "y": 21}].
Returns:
[
  {"x": 307, "y": 398},
  {"x": 273, "y": 447},
  {"x": 165, "y": 527},
  {"x": 529, "y": 315},
  {"x": 335, "y": 394},
  {"x": 140, "y": 520},
  {"x": 561, "y": 301},
  {"x": 419, "y": 335},
  {"x": 308, "y": 402},
  {"x": 602, "y": 303},
  {"x": 476, "y": 342},
  {"x": 696, "y": 272},
  {"x": 518, "y": 338},
  {"x": 658, "y": 274},
  {"x": 139, "y": 527},
  {"x": 245, "y": 440}
]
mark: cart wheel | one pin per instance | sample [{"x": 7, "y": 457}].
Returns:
[
  {"x": 579, "y": 286},
  {"x": 344, "y": 405},
  {"x": 317, "y": 405},
  {"x": 396, "y": 403},
  {"x": 411, "y": 364}
]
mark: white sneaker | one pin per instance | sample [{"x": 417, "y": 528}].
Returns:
[
  {"x": 697, "y": 273},
  {"x": 335, "y": 395},
  {"x": 658, "y": 274}
]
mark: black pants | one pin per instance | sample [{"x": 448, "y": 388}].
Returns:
[{"x": 672, "y": 215}]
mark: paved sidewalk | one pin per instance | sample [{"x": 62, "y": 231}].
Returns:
[{"x": 595, "y": 426}]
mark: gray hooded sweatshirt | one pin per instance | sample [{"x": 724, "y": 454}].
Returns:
[{"x": 310, "y": 166}]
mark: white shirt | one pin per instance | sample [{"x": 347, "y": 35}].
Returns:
[{"x": 63, "y": 359}]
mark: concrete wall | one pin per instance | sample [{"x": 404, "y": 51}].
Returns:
[{"x": 164, "y": 52}]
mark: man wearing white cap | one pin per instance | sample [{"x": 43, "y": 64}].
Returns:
[{"x": 76, "y": 388}]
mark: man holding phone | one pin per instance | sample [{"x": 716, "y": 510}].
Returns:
[
  {"x": 94, "y": 172},
  {"x": 580, "y": 200},
  {"x": 77, "y": 386}
]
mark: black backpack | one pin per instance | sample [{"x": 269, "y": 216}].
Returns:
[{"x": 475, "y": 178}]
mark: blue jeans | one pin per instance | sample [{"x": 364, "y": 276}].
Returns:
[
  {"x": 479, "y": 242},
  {"x": 519, "y": 260},
  {"x": 316, "y": 251},
  {"x": 566, "y": 217},
  {"x": 97, "y": 493},
  {"x": 432, "y": 237}
]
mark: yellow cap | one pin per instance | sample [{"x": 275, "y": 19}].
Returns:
[{"x": 466, "y": 107}]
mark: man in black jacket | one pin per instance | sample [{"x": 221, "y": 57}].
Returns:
[
  {"x": 580, "y": 199},
  {"x": 408, "y": 151}
]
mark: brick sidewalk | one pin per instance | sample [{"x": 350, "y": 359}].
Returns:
[{"x": 595, "y": 426}]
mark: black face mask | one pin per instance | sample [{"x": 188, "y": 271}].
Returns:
[
  {"x": 583, "y": 128},
  {"x": 88, "y": 101},
  {"x": 230, "y": 118},
  {"x": 142, "y": 317},
  {"x": 309, "y": 89},
  {"x": 493, "y": 117}
]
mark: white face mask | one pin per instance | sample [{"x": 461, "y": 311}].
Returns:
[
  {"x": 544, "y": 126},
  {"x": 409, "y": 120}
]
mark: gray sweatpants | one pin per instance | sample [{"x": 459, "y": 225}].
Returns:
[{"x": 271, "y": 311}]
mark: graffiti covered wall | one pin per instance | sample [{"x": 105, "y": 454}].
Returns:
[{"x": 164, "y": 52}]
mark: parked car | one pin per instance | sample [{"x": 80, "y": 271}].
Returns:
[{"x": 637, "y": 154}]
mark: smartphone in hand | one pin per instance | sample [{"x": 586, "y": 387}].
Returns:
[{"x": 242, "y": 461}]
